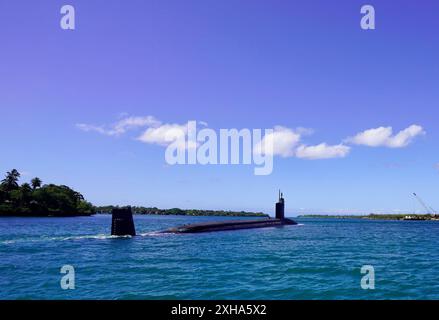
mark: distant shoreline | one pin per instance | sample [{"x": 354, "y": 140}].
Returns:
[
  {"x": 182, "y": 212},
  {"x": 43, "y": 215},
  {"x": 136, "y": 211},
  {"x": 372, "y": 216},
  {"x": 262, "y": 215}
]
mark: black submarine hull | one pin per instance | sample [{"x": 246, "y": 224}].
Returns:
[
  {"x": 230, "y": 225},
  {"x": 123, "y": 224}
]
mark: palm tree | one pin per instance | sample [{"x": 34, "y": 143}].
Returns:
[
  {"x": 10, "y": 182},
  {"x": 36, "y": 183},
  {"x": 26, "y": 194}
]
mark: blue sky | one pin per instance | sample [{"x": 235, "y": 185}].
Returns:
[{"x": 233, "y": 64}]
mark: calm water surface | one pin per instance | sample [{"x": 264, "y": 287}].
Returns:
[{"x": 319, "y": 259}]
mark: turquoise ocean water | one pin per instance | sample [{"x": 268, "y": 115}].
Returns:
[{"x": 319, "y": 259}]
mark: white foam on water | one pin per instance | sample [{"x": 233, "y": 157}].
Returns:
[
  {"x": 68, "y": 238},
  {"x": 152, "y": 234},
  {"x": 8, "y": 242},
  {"x": 97, "y": 237}
]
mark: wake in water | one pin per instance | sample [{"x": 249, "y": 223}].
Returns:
[
  {"x": 44, "y": 239},
  {"x": 95, "y": 237},
  {"x": 153, "y": 234},
  {"x": 92, "y": 237}
]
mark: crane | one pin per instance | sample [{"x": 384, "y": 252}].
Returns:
[{"x": 429, "y": 209}]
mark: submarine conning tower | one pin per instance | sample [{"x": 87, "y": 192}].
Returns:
[
  {"x": 280, "y": 207},
  {"x": 122, "y": 222}
]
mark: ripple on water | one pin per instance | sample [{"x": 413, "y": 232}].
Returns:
[{"x": 319, "y": 259}]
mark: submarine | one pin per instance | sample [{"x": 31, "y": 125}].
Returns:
[{"x": 123, "y": 225}]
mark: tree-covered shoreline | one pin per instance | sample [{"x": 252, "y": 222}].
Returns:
[
  {"x": 182, "y": 212},
  {"x": 38, "y": 200},
  {"x": 372, "y": 216}
]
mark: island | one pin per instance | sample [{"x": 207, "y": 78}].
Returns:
[
  {"x": 38, "y": 200},
  {"x": 374, "y": 216}
]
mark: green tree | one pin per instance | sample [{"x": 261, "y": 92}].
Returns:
[
  {"x": 3, "y": 193},
  {"x": 86, "y": 208},
  {"x": 78, "y": 197},
  {"x": 25, "y": 194},
  {"x": 36, "y": 183},
  {"x": 37, "y": 200},
  {"x": 10, "y": 182}
]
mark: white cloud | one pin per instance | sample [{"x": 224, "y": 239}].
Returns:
[
  {"x": 135, "y": 122},
  {"x": 156, "y": 132},
  {"x": 121, "y": 126},
  {"x": 406, "y": 136},
  {"x": 383, "y": 137},
  {"x": 286, "y": 143},
  {"x": 164, "y": 134},
  {"x": 89, "y": 127},
  {"x": 322, "y": 151},
  {"x": 283, "y": 140}
]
